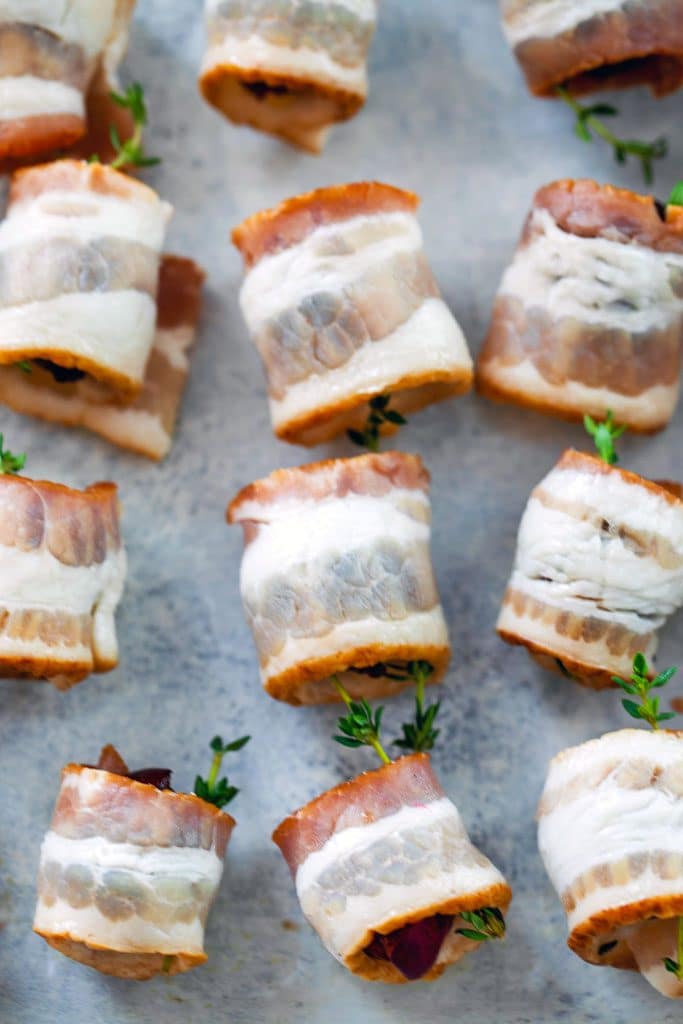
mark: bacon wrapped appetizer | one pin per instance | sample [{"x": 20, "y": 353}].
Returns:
[
  {"x": 146, "y": 425},
  {"x": 597, "y": 44},
  {"x": 342, "y": 306},
  {"x": 589, "y": 314},
  {"x": 53, "y": 53},
  {"x": 129, "y": 868},
  {"x": 384, "y": 871},
  {"x": 337, "y": 577},
  {"x": 611, "y": 835},
  {"x": 598, "y": 570},
  {"x": 62, "y": 572},
  {"x": 81, "y": 247},
  {"x": 291, "y": 68}
]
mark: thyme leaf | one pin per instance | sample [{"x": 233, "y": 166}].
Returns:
[
  {"x": 379, "y": 414},
  {"x": 360, "y": 728},
  {"x": 604, "y": 435},
  {"x": 212, "y": 789},
  {"x": 10, "y": 464},
  {"x": 639, "y": 685}
]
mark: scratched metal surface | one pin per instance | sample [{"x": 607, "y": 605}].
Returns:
[{"x": 448, "y": 116}]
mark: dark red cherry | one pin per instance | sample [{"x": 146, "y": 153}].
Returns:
[
  {"x": 62, "y": 374},
  {"x": 159, "y": 777},
  {"x": 414, "y": 948}
]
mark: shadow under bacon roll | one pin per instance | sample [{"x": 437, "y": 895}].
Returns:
[
  {"x": 610, "y": 831},
  {"x": 589, "y": 314},
  {"x": 597, "y": 44},
  {"x": 342, "y": 305},
  {"x": 384, "y": 870},
  {"x": 598, "y": 569},
  {"x": 62, "y": 572},
  {"x": 53, "y": 69},
  {"x": 129, "y": 870},
  {"x": 337, "y": 577},
  {"x": 291, "y": 68}
]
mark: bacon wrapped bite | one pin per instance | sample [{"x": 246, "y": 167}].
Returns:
[
  {"x": 342, "y": 306},
  {"x": 597, "y": 44},
  {"x": 146, "y": 425},
  {"x": 384, "y": 870},
  {"x": 288, "y": 67},
  {"x": 611, "y": 837},
  {"x": 598, "y": 570},
  {"x": 81, "y": 248},
  {"x": 53, "y": 54},
  {"x": 337, "y": 577},
  {"x": 129, "y": 870},
  {"x": 589, "y": 315},
  {"x": 62, "y": 571}
]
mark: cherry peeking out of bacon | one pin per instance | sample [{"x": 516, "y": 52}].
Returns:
[
  {"x": 62, "y": 374},
  {"x": 111, "y": 761},
  {"x": 414, "y": 948},
  {"x": 158, "y": 777}
]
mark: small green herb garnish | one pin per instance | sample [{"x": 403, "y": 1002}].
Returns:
[
  {"x": 676, "y": 197},
  {"x": 676, "y": 966},
  {"x": 24, "y": 365},
  {"x": 420, "y": 735},
  {"x": 604, "y": 435},
  {"x": 639, "y": 685},
  {"x": 360, "y": 728},
  {"x": 379, "y": 413},
  {"x": 213, "y": 790},
  {"x": 588, "y": 123},
  {"x": 10, "y": 464},
  {"x": 131, "y": 152},
  {"x": 487, "y": 923}
]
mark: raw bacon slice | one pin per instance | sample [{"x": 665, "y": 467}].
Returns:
[
  {"x": 337, "y": 577},
  {"x": 53, "y": 54},
  {"x": 374, "y": 858},
  {"x": 62, "y": 572},
  {"x": 128, "y": 872},
  {"x": 291, "y": 68},
  {"x": 597, "y": 44},
  {"x": 589, "y": 315},
  {"x": 598, "y": 570},
  {"x": 80, "y": 251},
  {"x": 611, "y": 836},
  {"x": 342, "y": 306},
  {"x": 146, "y": 425}
]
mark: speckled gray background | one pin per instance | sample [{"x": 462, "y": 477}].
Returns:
[{"x": 449, "y": 117}]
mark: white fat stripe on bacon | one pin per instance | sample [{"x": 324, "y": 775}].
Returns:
[
  {"x": 595, "y": 280},
  {"x": 535, "y": 19}
]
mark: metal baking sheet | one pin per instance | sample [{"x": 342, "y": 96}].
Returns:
[{"x": 449, "y": 117}]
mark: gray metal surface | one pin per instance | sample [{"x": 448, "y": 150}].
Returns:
[{"x": 449, "y": 117}]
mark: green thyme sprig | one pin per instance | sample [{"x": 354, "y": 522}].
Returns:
[
  {"x": 420, "y": 735},
  {"x": 24, "y": 365},
  {"x": 130, "y": 152},
  {"x": 639, "y": 685},
  {"x": 676, "y": 197},
  {"x": 487, "y": 923},
  {"x": 212, "y": 789},
  {"x": 379, "y": 414},
  {"x": 10, "y": 464},
  {"x": 588, "y": 125},
  {"x": 360, "y": 728},
  {"x": 676, "y": 966},
  {"x": 604, "y": 435}
]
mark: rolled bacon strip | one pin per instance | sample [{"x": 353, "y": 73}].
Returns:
[
  {"x": 51, "y": 52},
  {"x": 80, "y": 247},
  {"x": 62, "y": 572},
  {"x": 611, "y": 836},
  {"x": 589, "y": 314},
  {"x": 597, "y": 44},
  {"x": 128, "y": 872},
  {"x": 291, "y": 68},
  {"x": 342, "y": 306},
  {"x": 384, "y": 867},
  {"x": 337, "y": 577},
  {"x": 146, "y": 425},
  {"x": 598, "y": 570}
]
